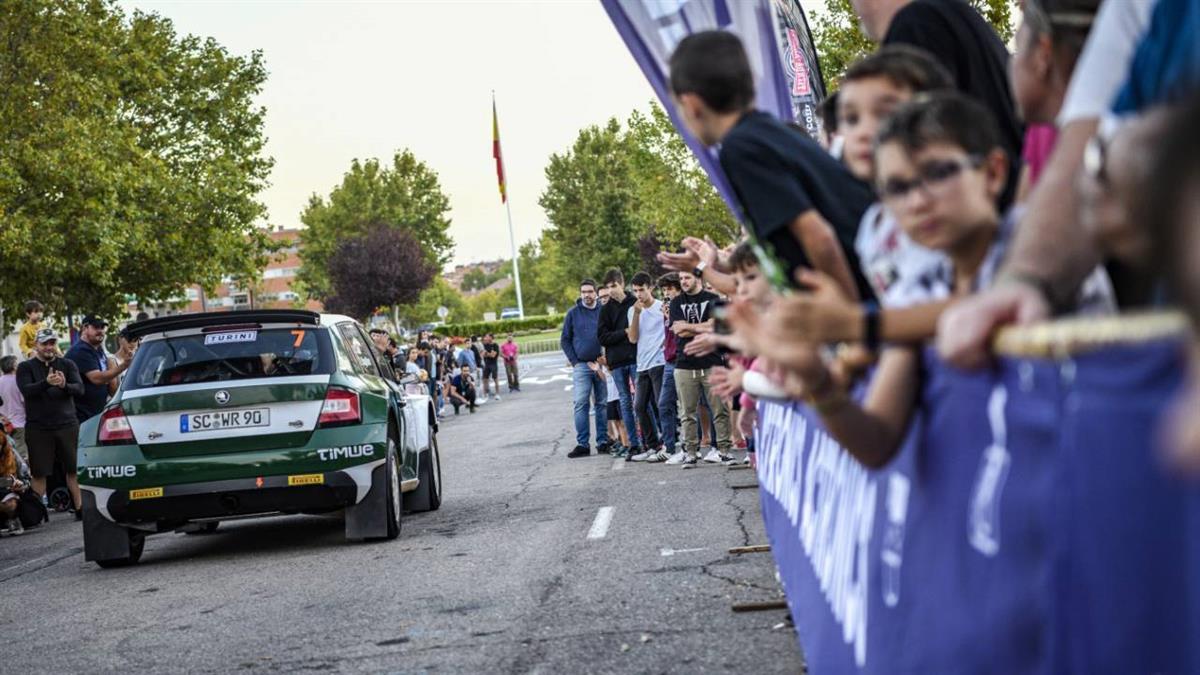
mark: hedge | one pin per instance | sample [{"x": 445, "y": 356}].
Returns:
[{"x": 466, "y": 329}]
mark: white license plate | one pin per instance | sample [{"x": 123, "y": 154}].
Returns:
[{"x": 224, "y": 419}]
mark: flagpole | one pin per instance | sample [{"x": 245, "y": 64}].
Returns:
[{"x": 512, "y": 240}]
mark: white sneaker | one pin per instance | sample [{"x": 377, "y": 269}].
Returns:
[
  {"x": 481, "y": 401},
  {"x": 660, "y": 456},
  {"x": 677, "y": 458},
  {"x": 714, "y": 457},
  {"x": 643, "y": 456},
  {"x": 689, "y": 462},
  {"x": 497, "y": 397}
]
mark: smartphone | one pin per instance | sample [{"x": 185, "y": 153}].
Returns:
[{"x": 6, "y": 481}]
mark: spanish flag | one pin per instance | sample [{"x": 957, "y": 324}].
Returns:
[{"x": 496, "y": 151}]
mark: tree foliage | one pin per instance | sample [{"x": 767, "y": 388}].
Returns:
[
  {"x": 674, "y": 193},
  {"x": 130, "y": 157},
  {"x": 406, "y": 195},
  {"x": 438, "y": 294},
  {"x": 384, "y": 266},
  {"x": 840, "y": 42},
  {"x": 618, "y": 191}
]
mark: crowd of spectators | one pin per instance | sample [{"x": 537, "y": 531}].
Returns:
[
  {"x": 955, "y": 190},
  {"x": 454, "y": 372}
]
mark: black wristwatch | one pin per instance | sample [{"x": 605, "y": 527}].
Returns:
[
  {"x": 871, "y": 328},
  {"x": 699, "y": 271}
]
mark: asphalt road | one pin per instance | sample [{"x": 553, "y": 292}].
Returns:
[{"x": 503, "y": 579}]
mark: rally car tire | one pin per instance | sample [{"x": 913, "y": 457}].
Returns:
[
  {"x": 392, "y": 476},
  {"x": 137, "y": 543},
  {"x": 428, "y": 496}
]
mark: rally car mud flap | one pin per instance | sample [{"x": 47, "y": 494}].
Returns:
[
  {"x": 368, "y": 518},
  {"x": 102, "y": 539}
]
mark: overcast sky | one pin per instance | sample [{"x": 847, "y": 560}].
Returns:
[{"x": 359, "y": 80}]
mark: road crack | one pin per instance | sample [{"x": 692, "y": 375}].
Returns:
[{"x": 524, "y": 485}]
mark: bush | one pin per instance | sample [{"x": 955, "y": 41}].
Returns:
[{"x": 500, "y": 327}]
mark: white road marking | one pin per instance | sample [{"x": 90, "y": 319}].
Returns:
[
  {"x": 671, "y": 551},
  {"x": 618, "y": 464},
  {"x": 601, "y": 523},
  {"x": 569, "y": 387}
]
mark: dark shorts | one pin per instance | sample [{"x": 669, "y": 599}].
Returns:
[
  {"x": 47, "y": 445},
  {"x": 489, "y": 369},
  {"x": 614, "y": 411},
  {"x": 736, "y": 404}
]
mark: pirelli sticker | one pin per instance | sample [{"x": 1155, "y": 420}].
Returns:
[
  {"x": 145, "y": 493},
  {"x": 307, "y": 479}
]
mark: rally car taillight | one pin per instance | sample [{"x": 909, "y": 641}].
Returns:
[
  {"x": 114, "y": 427},
  {"x": 341, "y": 407}
]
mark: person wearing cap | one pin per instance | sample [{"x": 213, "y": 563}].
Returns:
[
  {"x": 100, "y": 372},
  {"x": 50, "y": 384}
]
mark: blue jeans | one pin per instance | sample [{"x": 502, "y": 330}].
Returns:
[
  {"x": 588, "y": 385},
  {"x": 667, "y": 413},
  {"x": 622, "y": 376}
]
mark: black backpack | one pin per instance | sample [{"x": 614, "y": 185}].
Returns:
[{"x": 30, "y": 509}]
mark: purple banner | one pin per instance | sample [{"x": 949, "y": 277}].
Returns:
[{"x": 1027, "y": 525}]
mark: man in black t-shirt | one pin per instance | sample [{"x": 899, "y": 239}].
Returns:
[
  {"x": 795, "y": 197},
  {"x": 692, "y": 314},
  {"x": 958, "y": 38},
  {"x": 491, "y": 370}
]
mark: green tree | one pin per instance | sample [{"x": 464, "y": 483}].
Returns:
[
  {"x": 591, "y": 199},
  {"x": 439, "y": 294},
  {"x": 675, "y": 194},
  {"x": 840, "y": 42},
  {"x": 130, "y": 157},
  {"x": 406, "y": 194}
]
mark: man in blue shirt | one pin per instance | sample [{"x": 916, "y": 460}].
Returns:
[
  {"x": 98, "y": 371},
  {"x": 582, "y": 348}
]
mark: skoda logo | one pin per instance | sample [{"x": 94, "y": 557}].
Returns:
[{"x": 222, "y": 397}]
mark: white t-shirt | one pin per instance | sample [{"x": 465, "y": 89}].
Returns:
[
  {"x": 895, "y": 265},
  {"x": 1103, "y": 66},
  {"x": 652, "y": 335},
  {"x": 613, "y": 395}
]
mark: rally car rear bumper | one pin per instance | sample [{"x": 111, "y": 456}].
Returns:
[{"x": 157, "y": 508}]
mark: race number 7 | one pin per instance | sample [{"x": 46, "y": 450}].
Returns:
[{"x": 299, "y": 338}]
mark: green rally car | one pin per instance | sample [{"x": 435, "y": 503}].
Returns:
[{"x": 228, "y": 415}]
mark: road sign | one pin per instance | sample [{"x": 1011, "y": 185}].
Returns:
[{"x": 442, "y": 312}]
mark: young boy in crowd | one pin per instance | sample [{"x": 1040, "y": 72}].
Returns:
[
  {"x": 647, "y": 331},
  {"x": 940, "y": 168},
  {"x": 33, "y": 323},
  {"x": 667, "y": 400},
  {"x": 797, "y": 199},
  {"x": 736, "y": 381}
]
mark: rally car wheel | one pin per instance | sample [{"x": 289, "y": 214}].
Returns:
[
  {"x": 137, "y": 542},
  {"x": 428, "y": 495},
  {"x": 394, "y": 504}
]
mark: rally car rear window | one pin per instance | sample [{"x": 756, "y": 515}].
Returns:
[{"x": 240, "y": 354}]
